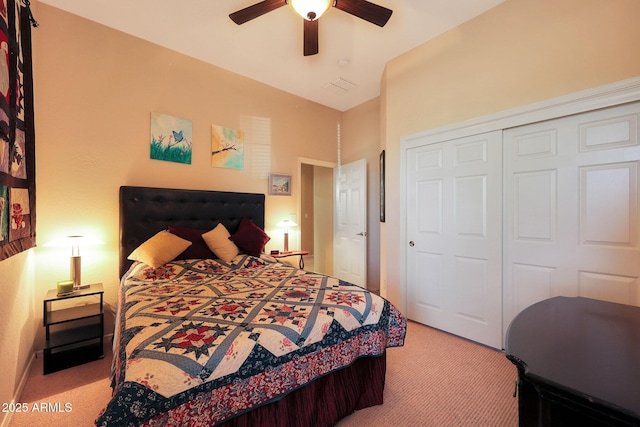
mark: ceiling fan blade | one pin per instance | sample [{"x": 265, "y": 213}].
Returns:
[
  {"x": 310, "y": 37},
  {"x": 365, "y": 10},
  {"x": 253, "y": 11}
]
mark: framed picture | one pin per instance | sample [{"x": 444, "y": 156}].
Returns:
[
  {"x": 227, "y": 147},
  {"x": 382, "y": 210},
  {"x": 279, "y": 185},
  {"x": 171, "y": 138}
]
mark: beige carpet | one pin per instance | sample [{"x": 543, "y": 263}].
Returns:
[
  {"x": 76, "y": 395},
  {"x": 436, "y": 379}
]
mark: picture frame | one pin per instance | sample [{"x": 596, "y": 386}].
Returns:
[
  {"x": 279, "y": 184},
  {"x": 171, "y": 138},
  {"x": 227, "y": 147},
  {"x": 382, "y": 190}
]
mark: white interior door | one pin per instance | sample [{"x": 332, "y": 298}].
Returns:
[
  {"x": 350, "y": 223},
  {"x": 454, "y": 236},
  {"x": 571, "y": 186}
]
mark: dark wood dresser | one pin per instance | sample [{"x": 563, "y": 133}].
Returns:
[{"x": 578, "y": 363}]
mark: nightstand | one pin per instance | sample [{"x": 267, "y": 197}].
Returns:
[
  {"x": 293, "y": 253},
  {"x": 74, "y": 334}
]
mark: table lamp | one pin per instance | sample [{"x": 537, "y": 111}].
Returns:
[
  {"x": 75, "y": 263},
  {"x": 286, "y": 224}
]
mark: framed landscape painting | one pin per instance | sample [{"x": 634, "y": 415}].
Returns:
[{"x": 279, "y": 185}]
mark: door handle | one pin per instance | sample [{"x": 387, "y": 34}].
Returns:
[
  {"x": 362, "y": 233},
  {"x": 411, "y": 243}
]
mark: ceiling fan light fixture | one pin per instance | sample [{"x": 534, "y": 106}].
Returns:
[{"x": 310, "y": 10}]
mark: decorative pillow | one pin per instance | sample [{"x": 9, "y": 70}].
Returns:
[
  {"x": 159, "y": 249},
  {"x": 198, "y": 248},
  {"x": 218, "y": 241},
  {"x": 250, "y": 238}
]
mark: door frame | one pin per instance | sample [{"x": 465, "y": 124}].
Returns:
[{"x": 609, "y": 95}]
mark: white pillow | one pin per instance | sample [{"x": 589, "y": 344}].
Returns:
[
  {"x": 218, "y": 241},
  {"x": 159, "y": 249}
]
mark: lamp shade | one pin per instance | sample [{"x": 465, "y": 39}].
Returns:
[
  {"x": 286, "y": 223},
  {"x": 310, "y": 9},
  {"x": 75, "y": 242}
]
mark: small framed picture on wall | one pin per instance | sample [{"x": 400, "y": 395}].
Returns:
[{"x": 279, "y": 185}]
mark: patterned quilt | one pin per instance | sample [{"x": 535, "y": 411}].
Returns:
[{"x": 202, "y": 338}]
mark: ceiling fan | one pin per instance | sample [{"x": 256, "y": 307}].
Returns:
[{"x": 311, "y": 10}]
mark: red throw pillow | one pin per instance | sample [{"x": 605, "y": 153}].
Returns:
[
  {"x": 250, "y": 238},
  {"x": 198, "y": 248}
]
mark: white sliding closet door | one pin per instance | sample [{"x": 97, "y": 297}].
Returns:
[
  {"x": 571, "y": 209},
  {"x": 454, "y": 230}
]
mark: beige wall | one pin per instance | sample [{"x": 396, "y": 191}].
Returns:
[
  {"x": 518, "y": 53},
  {"x": 17, "y": 322}
]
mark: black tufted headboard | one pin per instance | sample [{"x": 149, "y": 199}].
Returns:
[{"x": 144, "y": 211}]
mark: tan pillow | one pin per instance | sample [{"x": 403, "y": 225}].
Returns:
[
  {"x": 160, "y": 249},
  {"x": 218, "y": 241}
]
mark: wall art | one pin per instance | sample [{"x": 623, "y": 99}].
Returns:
[
  {"x": 171, "y": 138},
  {"x": 227, "y": 147},
  {"x": 17, "y": 134},
  {"x": 279, "y": 185}
]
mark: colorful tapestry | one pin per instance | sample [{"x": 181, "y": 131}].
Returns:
[
  {"x": 17, "y": 135},
  {"x": 203, "y": 338}
]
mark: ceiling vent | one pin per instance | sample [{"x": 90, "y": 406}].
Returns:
[{"x": 340, "y": 86}]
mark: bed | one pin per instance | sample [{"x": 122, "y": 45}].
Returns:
[{"x": 235, "y": 338}]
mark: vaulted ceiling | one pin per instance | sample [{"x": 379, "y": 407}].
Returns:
[{"x": 352, "y": 52}]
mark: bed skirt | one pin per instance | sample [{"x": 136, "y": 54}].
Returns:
[{"x": 324, "y": 401}]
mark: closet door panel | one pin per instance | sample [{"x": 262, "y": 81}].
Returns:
[
  {"x": 454, "y": 225},
  {"x": 571, "y": 209}
]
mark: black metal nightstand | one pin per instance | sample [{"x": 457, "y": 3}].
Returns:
[{"x": 74, "y": 335}]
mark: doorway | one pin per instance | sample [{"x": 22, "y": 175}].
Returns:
[{"x": 316, "y": 214}]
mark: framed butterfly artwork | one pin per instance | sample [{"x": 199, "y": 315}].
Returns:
[{"x": 171, "y": 138}]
